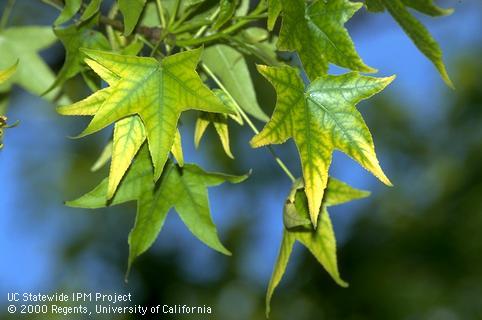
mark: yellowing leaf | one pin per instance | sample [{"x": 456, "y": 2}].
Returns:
[
  {"x": 320, "y": 119},
  {"x": 320, "y": 242},
  {"x": 220, "y": 123},
  {"x": 156, "y": 92},
  {"x": 184, "y": 188},
  {"x": 316, "y": 31}
]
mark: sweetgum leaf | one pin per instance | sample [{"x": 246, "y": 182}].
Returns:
[
  {"x": 22, "y": 44},
  {"x": 419, "y": 34},
  {"x": 181, "y": 188},
  {"x": 220, "y": 123},
  {"x": 131, "y": 10},
  {"x": 320, "y": 119},
  {"x": 320, "y": 242},
  {"x": 91, "y": 9},
  {"x": 316, "y": 32},
  {"x": 155, "y": 91},
  {"x": 230, "y": 67}
]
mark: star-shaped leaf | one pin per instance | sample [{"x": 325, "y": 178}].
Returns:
[
  {"x": 320, "y": 119},
  {"x": 155, "y": 91},
  {"x": 419, "y": 34},
  {"x": 73, "y": 38},
  {"x": 22, "y": 44},
  {"x": 316, "y": 31},
  {"x": 320, "y": 242},
  {"x": 129, "y": 134},
  {"x": 182, "y": 188}
]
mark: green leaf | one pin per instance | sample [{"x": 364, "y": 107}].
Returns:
[
  {"x": 71, "y": 7},
  {"x": 156, "y": 91},
  {"x": 131, "y": 10},
  {"x": 320, "y": 119},
  {"x": 226, "y": 12},
  {"x": 22, "y": 44},
  {"x": 316, "y": 31},
  {"x": 427, "y": 7},
  {"x": 184, "y": 188},
  {"x": 73, "y": 38},
  {"x": 7, "y": 73},
  {"x": 231, "y": 68},
  {"x": 91, "y": 9},
  {"x": 320, "y": 242},
  {"x": 274, "y": 10},
  {"x": 419, "y": 34}
]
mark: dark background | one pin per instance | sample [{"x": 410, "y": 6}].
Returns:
[{"x": 413, "y": 251}]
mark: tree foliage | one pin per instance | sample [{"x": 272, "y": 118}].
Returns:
[{"x": 147, "y": 62}]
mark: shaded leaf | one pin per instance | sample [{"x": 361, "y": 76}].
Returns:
[
  {"x": 226, "y": 12},
  {"x": 23, "y": 44},
  {"x": 73, "y": 38},
  {"x": 91, "y": 9},
  {"x": 419, "y": 34},
  {"x": 184, "y": 188},
  {"x": 320, "y": 119},
  {"x": 71, "y": 7},
  {"x": 231, "y": 68},
  {"x": 320, "y": 242},
  {"x": 131, "y": 10}
]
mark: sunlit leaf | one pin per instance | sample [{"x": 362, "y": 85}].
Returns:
[{"x": 320, "y": 119}]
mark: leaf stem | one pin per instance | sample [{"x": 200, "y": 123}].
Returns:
[
  {"x": 160, "y": 10},
  {"x": 280, "y": 162}
]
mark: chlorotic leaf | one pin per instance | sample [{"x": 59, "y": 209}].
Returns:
[
  {"x": 220, "y": 123},
  {"x": 176, "y": 149},
  {"x": 73, "y": 38},
  {"x": 71, "y": 7},
  {"x": 129, "y": 134},
  {"x": 316, "y": 32},
  {"x": 320, "y": 119},
  {"x": 419, "y": 34},
  {"x": 320, "y": 242},
  {"x": 156, "y": 92},
  {"x": 184, "y": 188},
  {"x": 231, "y": 68},
  {"x": 131, "y": 10}
]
